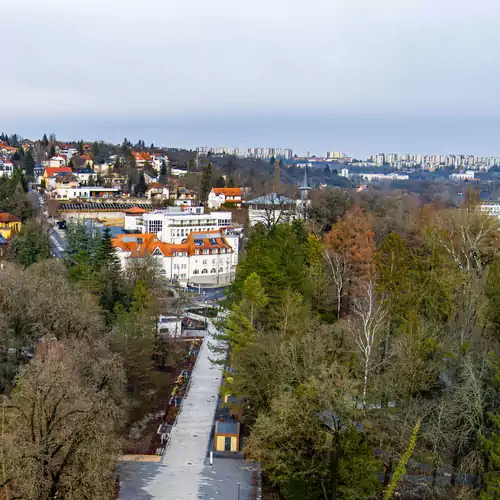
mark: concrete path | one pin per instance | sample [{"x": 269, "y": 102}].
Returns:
[{"x": 179, "y": 475}]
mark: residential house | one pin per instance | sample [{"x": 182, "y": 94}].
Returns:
[
  {"x": 230, "y": 197},
  {"x": 6, "y": 168},
  {"x": 85, "y": 174},
  {"x": 141, "y": 157},
  {"x": 86, "y": 161},
  {"x": 57, "y": 161},
  {"x": 157, "y": 191},
  {"x": 6, "y": 149},
  {"x": 66, "y": 180},
  {"x": 51, "y": 172},
  {"x": 271, "y": 209},
  {"x": 9, "y": 224},
  {"x": 202, "y": 257},
  {"x": 157, "y": 160},
  {"x": 182, "y": 196}
]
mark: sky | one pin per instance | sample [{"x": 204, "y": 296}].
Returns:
[{"x": 359, "y": 76}]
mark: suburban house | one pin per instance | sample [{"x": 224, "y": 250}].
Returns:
[
  {"x": 9, "y": 224},
  {"x": 202, "y": 257},
  {"x": 86, "y": 161},
  {"x": 230, "y": 197},
  {"x": 84, "y": 174},
  {"x": 141, "y": 158},
  {"x": 183, "y": 196},
  {"x": 271, "y": 209},
  {"x": 157, "y": 161},
  {"x": 157, "y": 191},
  {"x": 6, "y": 150},
  {"x": 50, "y": 172},
  {"x": 66, "y": 180},
  {"x": 6, "y": 168},
  {"x": 57, "y": 161}
]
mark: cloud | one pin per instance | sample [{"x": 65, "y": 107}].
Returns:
[{"x": 165, "y": 58}]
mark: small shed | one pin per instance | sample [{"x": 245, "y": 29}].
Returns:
[{"x": 227, "y": 436}]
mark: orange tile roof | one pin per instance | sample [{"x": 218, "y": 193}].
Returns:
[
  {"x": 51, "y": 171},
  {"x": 155, "y": 185},
  {"x": 135, "y": 211},
  {"x": 141, "y": 156},
  {"x": 6, "y": 217},
  {"x": 228, "y": 191},
  {"x": 150, "y": 242}
]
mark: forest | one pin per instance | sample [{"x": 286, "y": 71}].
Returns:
[
  {"x": 79, "y": 362},
  {"x": 365, "y": 342}
]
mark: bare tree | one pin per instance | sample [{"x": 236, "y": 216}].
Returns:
[
  {"x": 368, "y": 318},
  {"x": 340, "y": 270},
  {"x": 66, "y": 414}
]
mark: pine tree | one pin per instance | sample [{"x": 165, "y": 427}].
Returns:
[
  {"x": 140, "y": 188},
  {"x": 52, "y": 151},
  {"x": 206, "y": 182},
  {"x": 45, "y": 141},
  {"x": 29, "y": 163},
  {"x": 220, "y": 182},
  {"x": 31, "y": 244},
  {"x": 163, "y": 173}
]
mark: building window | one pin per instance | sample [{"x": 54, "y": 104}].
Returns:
[
  {"x": 155, "y": 226},
  {"x": 221, "y": 269},
  {"x": 183, "y": 275},
  {"x": 196, "y": 271},
  {"x": 214, "y": 261},
  {"x": 204, "y": 271},
  {"x": 205, "y": 262},
  {"x": 197, "y": 252},
  {"x": 163, "y": 272},
  {"x": 183, "y": 266},
  {"x": 206, "y": 252},
  {"x": 213, "y": 270}
]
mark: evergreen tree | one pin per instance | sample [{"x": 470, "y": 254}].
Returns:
[
  {"x": 220, "y": 182},
  {"x": 141, "y": 186},
  {"x": 80, "y": 147},
  {"x": 31, "y": 244},
  {"x": 29, "y": 164},
  {"x": 163, "y": 173},
  {"x": 273, "y": 160},
  {"x": 206, "y": 182},
  {"x": 52, "y": 151},
  {"x": 45, "y": 141},
  {"x": 230, "y": 183}
]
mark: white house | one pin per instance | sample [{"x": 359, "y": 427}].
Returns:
[
  {"x": 272, "y": 209},
  {"x": 203, "y": 258},
  {"x": 6, "y": 168},
  {"x": 228, "y": 196},
  {"x": 157, "y": 191},
  {"x": 174, "y": 225}
]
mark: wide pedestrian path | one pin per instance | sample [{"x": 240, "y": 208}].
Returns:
[{"x": 179, "y": 475}]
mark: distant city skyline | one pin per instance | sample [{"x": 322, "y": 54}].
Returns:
[{"x": 356, "y": 136}]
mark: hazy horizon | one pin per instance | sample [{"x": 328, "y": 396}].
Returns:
[{"x": 355, "y": 76}]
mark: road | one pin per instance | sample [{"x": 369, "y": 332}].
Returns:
[{"x": 57, "y": 242}]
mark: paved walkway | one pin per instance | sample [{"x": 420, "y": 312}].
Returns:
[{"x": 179, "y": 475}]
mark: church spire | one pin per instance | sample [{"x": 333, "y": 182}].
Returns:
[{"x": 304, "y": 187}]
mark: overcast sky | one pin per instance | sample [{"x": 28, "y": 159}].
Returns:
[{"x": 359, "y": 76}]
